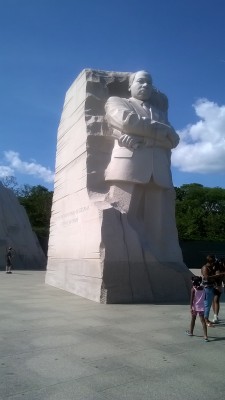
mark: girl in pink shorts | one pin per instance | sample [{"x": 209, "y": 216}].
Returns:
[{"x": 197, "y": 306}]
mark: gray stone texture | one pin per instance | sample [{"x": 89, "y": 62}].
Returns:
[
  {"x": 93, "y": 251},
  {"x": 16, "y": 231}
]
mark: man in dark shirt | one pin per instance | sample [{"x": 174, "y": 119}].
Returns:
[{"x": 9, "y": 256}]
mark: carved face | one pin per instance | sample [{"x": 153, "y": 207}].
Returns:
[{"x": 141, "y": 87}]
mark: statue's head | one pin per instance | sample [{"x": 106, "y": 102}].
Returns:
[{"x": 140, "y": 85}]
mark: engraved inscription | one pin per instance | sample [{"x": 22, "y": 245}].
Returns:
[{"x": 71, "y": 217}]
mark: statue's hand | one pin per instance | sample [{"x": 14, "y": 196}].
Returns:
[
  {"x": 131, "y": 142},
  {"x": 160, "y": 129}
]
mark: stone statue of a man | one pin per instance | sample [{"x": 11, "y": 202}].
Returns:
[
  {"x": 113, "y": 235},
  {"x": 139, "y": 171}
]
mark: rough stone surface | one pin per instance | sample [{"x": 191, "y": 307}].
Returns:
[
  {"x": 93, "y": 250},
  {"x": 16, "y": 231}
]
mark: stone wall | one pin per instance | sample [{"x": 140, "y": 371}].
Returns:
[{"x": 16, "y": 231}]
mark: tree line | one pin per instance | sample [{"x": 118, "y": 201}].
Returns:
[
  {"x": 37, "y": 201},
  {"x": 200, "y": 210}
]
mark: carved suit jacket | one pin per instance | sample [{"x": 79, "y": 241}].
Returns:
[{"x": 152, "y": 158}]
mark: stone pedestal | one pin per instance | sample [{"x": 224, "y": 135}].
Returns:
[{"x": 93, "y": 251}]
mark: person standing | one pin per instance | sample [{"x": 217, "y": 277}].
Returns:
[
  {"x": 219, "y": 271},
  {"x": 197, "y": 306},
  {"x": 9, "y": 255},
  {"x": 208, "y": 281}
]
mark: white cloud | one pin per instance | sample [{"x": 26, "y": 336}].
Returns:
[
  {"x": 6, "y": 171},
  {"x": 15, "y": 164},
  {"x": 202, "y": 145}
]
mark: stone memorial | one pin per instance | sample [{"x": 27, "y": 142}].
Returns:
[
  {"x": 113, "y": 236},
  {"x": 16, "y": 231}
]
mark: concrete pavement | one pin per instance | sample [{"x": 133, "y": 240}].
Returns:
[{"x": 58, "y": 346}]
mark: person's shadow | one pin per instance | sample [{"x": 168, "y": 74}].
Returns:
[{"x": 215, "y": 339}]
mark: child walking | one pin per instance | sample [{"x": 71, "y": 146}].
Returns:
[{"x": 197, "y": 306}]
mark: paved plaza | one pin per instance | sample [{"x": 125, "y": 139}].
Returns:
[{"x": 57, "y": 346}]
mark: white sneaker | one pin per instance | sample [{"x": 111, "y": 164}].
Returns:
[{"x": 215, "y": 319}]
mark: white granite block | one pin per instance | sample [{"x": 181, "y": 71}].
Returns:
[{"x": 95, "y": 250}]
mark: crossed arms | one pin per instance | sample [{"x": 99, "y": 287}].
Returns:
[{"x": 132, "y": 129}]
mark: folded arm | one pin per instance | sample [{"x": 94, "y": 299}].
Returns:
[{"x": 121, "y": 116}]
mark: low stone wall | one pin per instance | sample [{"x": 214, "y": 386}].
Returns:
[{"x": 195, "y": 252}]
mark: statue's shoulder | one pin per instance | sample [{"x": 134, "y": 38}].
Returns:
[
  {"x": 115, "y": 101},
  {"x": 159, "y": 100}
]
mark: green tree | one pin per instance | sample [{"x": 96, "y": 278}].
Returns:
[
  {"x": 200, "y": 212},
  {"x": 10, "y": 182},
  {"x": 37, "y": 200}
]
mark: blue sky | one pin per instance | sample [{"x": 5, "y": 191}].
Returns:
[{"x": 45, "y": 44}]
